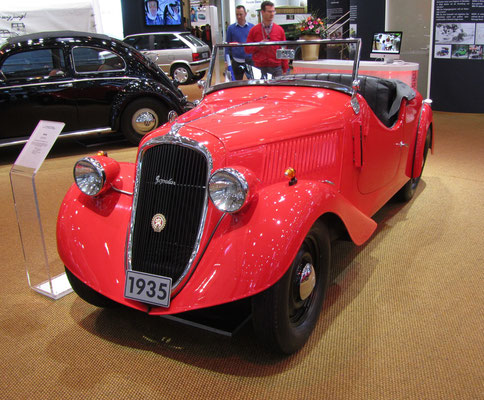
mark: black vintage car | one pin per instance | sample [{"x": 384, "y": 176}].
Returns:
[{"x": 92, "y": 82}]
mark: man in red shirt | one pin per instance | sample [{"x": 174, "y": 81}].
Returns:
[{"x": 265, "y": 57}]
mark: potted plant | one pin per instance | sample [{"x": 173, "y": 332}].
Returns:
[{"x": 312, "y": 28}]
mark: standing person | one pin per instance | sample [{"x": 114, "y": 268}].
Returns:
[
  {"x": 238, "y": 32},
  {"x": 207, "y": 35},
  {"x": 267, "y": 31}
]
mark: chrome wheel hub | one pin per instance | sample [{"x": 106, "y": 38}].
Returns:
[
  {"x": 307, "y": 281},
  {"x": 180, "y": 75},
  {"x": 144, "y": 121}
]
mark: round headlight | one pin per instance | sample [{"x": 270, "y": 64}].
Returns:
[
  {"x": 228, "y": 190},
  {"x": 89, "y": 176}
]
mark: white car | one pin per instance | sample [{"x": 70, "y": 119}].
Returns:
[{"x": 179, "y": 54}]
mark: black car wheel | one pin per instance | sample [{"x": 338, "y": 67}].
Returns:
[
  {"x": 409, "y": 189},
  {"x": 87, "y": 294},
  {"x": 181, "y": 73},
  {"x": 284, "y": 315},
  {"x": 141, "y": 117}
]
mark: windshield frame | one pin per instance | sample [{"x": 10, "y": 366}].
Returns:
[{"x": 285, "y": 80}]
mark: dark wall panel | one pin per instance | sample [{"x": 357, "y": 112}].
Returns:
[
  {"x": 317, "y": 7},
  {"x": 134, "y": 19},
  {"x": 457, "y": 86},
  {"x": 370, "y": 18}
]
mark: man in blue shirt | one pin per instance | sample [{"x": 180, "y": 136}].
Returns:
[{"x": 238, "y": 32}]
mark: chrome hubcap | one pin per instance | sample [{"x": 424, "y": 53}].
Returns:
[
  {"x": 180, "y": 75},
  {"x": 307, "y": 281},
  {"x": 144, "y": 121}
]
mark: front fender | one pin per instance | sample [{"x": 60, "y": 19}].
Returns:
[
  {"x": 91, "y": 236},
  {"x": 251, "y": 251}
]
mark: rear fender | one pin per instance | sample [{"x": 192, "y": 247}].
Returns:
[
  {"x": 414, "y": 168},
  {"x": 139, "y": 89}
]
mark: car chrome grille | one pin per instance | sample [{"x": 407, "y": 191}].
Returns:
[{"x": 171, "y": 182}]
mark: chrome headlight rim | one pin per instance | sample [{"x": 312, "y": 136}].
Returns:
[
  {"x": 239, "y": 178},
  {"x": 97, "y": 169}
]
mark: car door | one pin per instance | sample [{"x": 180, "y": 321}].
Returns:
[
  {"x": 381, "y": 155},
  {"x": 35, "y": 85},
  {"x": 99, "y": 77}
]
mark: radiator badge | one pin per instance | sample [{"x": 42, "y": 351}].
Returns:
[
  {"x": 159, "y": 181},
  {"x": 158, "y": 222}
]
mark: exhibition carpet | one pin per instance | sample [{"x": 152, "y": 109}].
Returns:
[{"x": 403, "y": 319}]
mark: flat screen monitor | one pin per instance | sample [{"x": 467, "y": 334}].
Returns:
[
  {"x": 162, "y": 12},
  {"x": 386, "y": 45}
]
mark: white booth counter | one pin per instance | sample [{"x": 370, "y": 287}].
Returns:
[{"x": 404, "y": 71}]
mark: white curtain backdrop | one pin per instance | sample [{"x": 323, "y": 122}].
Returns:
[{"x": 29, "y": 16}]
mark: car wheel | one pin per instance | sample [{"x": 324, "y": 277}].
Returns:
[
  {"x": 409, "y": 189},
  {"x": 182, "y": 74},
  {"x": 284, "y": 315},
  {"x": 87, "y": 294},
  {"x": 142, "y": 116}
]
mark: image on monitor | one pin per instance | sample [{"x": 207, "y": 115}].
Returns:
[
  {"x": 162, "y": 12},
  {"x": 386, "y": 43}
]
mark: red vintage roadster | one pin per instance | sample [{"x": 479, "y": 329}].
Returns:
[{"x": 241, "y": 197}]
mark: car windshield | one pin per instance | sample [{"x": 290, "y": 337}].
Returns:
[{"x": 299, "y": 63}]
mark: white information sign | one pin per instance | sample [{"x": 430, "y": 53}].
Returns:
[
  {"x": 22, "y": 178},
  {"x": 39, "y": 144}
]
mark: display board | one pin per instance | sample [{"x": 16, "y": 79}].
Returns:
[
  {"x": 458, "y": 56},
  {"x": 459, "y": 30}
]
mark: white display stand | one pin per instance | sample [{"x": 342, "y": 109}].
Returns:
[
  {"x": 405, "y": 71},
  {"x": 22, "y": 179}
]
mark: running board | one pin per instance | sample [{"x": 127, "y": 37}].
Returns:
[
  {"x": 226, "y": 319},
  {"x": 23, "y": 140}
]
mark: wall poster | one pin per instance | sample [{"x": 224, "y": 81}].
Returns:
[{"x": 459, "y": 29}]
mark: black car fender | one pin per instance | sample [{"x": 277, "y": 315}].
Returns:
[{"x": 140, "y": 88}]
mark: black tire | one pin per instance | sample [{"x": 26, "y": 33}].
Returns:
[
  {"x": 140, "y": 117},
  {"x": 407, "y": 192},
  {"x": 181, "y": 74},
  {"x": 282, "y": 318},
  {"x": 87, "y": 294}
]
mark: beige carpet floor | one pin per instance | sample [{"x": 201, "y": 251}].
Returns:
[{"x": 404, "y": 318}]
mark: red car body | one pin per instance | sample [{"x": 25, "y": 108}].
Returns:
[{"x": 347, "y": 166}]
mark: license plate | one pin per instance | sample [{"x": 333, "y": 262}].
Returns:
[
  {"x": 151, "y": 289},
  {"x": 285, "y": 54},
  {"x": 205, "y": 55}
]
